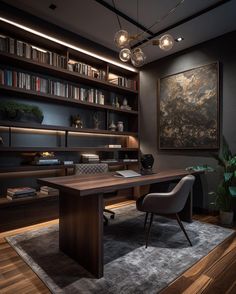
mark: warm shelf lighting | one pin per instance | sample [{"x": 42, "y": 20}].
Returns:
[
  {"x": 98, "y": 135},
  {"x": 36, "y": 131},
  {"x": 58, "y": 41}
]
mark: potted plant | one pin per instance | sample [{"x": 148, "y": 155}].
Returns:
[
  {"x": 227, "y": 188},
  {"x": 14, "y": 111}
]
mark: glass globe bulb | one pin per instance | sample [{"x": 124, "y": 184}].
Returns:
[
  {"x": 125, "y": 54},
  {"x": 121, "y": 39},
  {"x": 138, "y": 57},
  {"x": 166, "y": 42}
]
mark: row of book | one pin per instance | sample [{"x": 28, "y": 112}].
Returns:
[
  {"x": 122, "y": 81},
  {"x": 23, "y": 49},
  {"x": 26, "y": 50},
  {"x": 85, "y": 69},
  {"x": 48, "y": 86}
]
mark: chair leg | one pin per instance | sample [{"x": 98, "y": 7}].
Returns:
[
  {"x": 105, "y": 220},
  {"x": 146, "y": 218},
  {"x": 182, "y": 228},
  {"x": 149, "y": 229}
]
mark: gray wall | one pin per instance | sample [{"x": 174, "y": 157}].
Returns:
[{"x": 221, "y": 49}]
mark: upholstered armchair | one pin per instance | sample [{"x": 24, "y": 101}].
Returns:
[{"x": 170, "y": 203}]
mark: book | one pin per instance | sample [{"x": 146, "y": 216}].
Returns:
[
  {"x": 114, "y": 145},
  {"x": 130, "y": 160},
  {"x": 20, "y": 198},
  {"x": 20, "y": 191},
  {"x": 45, "y": 190}
]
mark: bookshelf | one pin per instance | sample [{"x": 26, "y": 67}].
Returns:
[{"x": 62, "y": 82}]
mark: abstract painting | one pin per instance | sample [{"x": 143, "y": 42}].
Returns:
[{"x": 189, "y": 109}]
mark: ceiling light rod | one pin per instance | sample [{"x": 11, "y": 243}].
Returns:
[
  {"x": 183, "y": 21},
  {"x": 58, "y": 41},
  {"x": 172, "y": 10},
  {"x": 124, "y": 16}
]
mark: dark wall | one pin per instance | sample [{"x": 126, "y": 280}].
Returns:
[{"x": 221, "y": 49}]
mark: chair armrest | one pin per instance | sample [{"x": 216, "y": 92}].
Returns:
[{"x": 158, "y": 202}]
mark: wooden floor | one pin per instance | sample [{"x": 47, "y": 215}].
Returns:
[{"x": 215, "y": 273}]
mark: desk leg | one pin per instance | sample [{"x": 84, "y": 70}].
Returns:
[
  {"x": 187, "y": 213},
  {"x": 81, "y": 230}
]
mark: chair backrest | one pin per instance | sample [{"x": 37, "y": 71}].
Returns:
[
  {"x": 91, "y": 168},
  {"x": 171, "y": 202},
  {"x": 181, "y": 192}
]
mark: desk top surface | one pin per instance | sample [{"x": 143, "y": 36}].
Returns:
[{"x": 102, "y": 183}]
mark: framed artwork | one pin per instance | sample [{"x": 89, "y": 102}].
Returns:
[{"x": 189, "y": 109}]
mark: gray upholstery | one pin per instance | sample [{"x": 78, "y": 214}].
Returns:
[{"x": 167, "y": 203}]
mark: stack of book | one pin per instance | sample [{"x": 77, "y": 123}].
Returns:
[
  {"x": 21, "y": 192},
  {"x": 90, "y": 158},
  {"x": 45, "y": 190}
]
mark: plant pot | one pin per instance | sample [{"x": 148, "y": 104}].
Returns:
[{"x": 226, "y": 217}]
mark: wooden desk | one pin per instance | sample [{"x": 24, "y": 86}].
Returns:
[{"x": 81, "y": 211}]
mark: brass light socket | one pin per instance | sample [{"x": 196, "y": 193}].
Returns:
[{"x": 155, "y": 42}]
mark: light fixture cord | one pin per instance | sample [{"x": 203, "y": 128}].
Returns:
[
  {"x": 137, "y": 29},
  {"x": 118, "y": 19},
  {"x": 172, "y": 10}
]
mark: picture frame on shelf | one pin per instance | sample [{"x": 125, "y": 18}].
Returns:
[{"x": 188, "y": 109}]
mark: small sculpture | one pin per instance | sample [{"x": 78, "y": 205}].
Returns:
[
  {"x": 96, "y": 120},
  {"x": 77, "y": 122},
  {"x": 1, "y": 141}
]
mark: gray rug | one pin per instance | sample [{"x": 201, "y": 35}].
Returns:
[{"x": 129, "y": 267}]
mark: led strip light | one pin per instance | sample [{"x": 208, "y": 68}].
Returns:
[{"x": 48, "y": 37}]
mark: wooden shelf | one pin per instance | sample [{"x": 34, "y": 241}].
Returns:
[
  {"x": 24, "y": 168},
  {"x": 32, "y": 65},
  {"x": 64, "y": 149},
  {"x": 61, "y": 128},
  {"x": 5, "y": 202},
  {"x": 60, "y": 100}
]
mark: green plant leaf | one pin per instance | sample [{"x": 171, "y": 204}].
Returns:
[
  {"x": 232, "y": 191},
  {"x": 228, "y": 176}
]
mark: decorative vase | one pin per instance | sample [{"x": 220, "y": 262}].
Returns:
[
  {"x": 120, "y": 126},
  {"x": 117, "y": 103},
  {"x": 125, "y": 102},
  {"x": 112, "y": 127},
  {"x": 226, "y": 217}
]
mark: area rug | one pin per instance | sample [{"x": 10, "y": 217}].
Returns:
[{"x": 129, "y": 267}]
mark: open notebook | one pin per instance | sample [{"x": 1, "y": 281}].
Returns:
[{"x": 127, "y": 173}]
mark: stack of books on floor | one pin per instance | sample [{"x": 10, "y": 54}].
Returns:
[
  {"x": 20, "y": 193},
  {"x": 45, "y": 190},
  {"x": 90, "y": 158}
]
